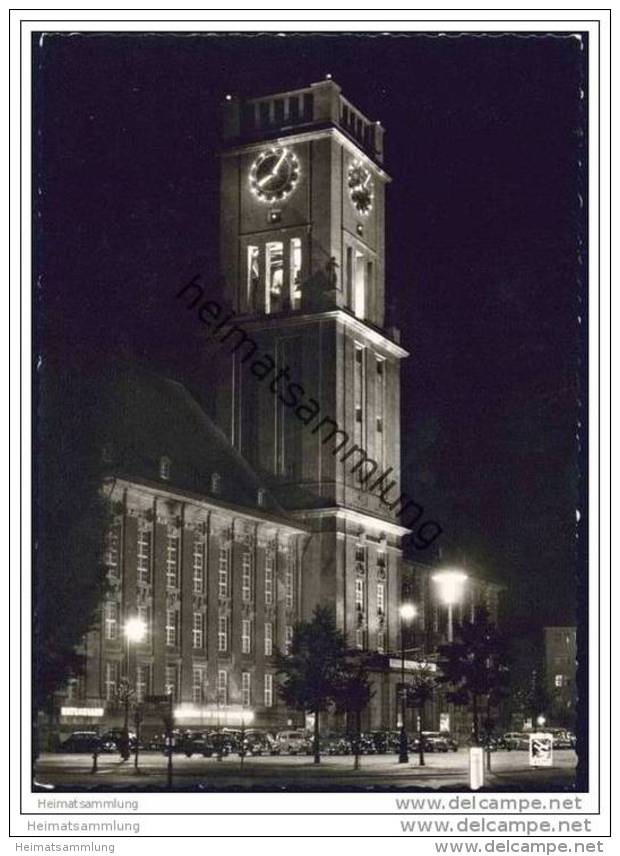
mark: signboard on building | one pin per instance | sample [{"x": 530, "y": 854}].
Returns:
[
  {"x": 541, "y": 749},
  {"x": 412, "y": 665}
]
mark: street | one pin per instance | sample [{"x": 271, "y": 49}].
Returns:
[{"x": 449, "y": 771}]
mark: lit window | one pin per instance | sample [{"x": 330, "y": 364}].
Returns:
[
  {"x": 268, "y": 639},
  {"x": 559, "y": 680},
  {"x": 261, "y": 496},
  {"x": 172, "y": 625},
  {"x": 359, "y": 638},
  {"x": 359, "y": 285},
  {"x": 288, "y": 639},
  {"x": 144, "y": 555},
  {"x": 380, "y": 597},
  {"x": 268, "y": 696},
  {"x": 144, "y": 614},
  {"x": 222, "y": 633},
  {"x": 223, "y": 572},
  {"x": 216, "y": 483},
  {"x": 198, "y": 566},
  {"x": 359, "y": 593},
  {"x": 269, "y": 565},
  {"x": 111, "y": 679},
  {"x": 381, "y": 641},
  {"x": 143, "y": 681},
  {"x": 198, "y": 684},
  {"x": 289, "y": 585},
  {"x": 172, "y": 559},
  {"x": 246, "y": 689},
  {"x": 164, "y": 468},
  {"x": 253, "y": 279},
  {"x": 222, "y": 686},
  {"x": 296, "y": 273},
  {"x": 246, "y": 638},
  {"x": 198, "y": 630},
  {"x": 274, "y": 267},
  {"x": 246, "y": 576},
  {"x": 171, "y": 681},
  {"x": 111, "y": 620},
  {"x": 112, "y": 552}
]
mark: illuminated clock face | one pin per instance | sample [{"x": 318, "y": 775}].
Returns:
[
  {"x": 274, "y": 174},
  {"x": 361, "y": 187}
]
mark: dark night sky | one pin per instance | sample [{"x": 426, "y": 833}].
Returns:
[{"x": 483, "y": 139}]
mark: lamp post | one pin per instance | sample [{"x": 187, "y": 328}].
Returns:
[
  {"x": 134, "y": 631},
  {"x": 407, "y": 613},
  {"x": 450, "y": 584}
]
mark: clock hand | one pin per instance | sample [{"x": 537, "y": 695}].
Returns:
[
  {"x": 365, "y": 184},
  {"x": 280, "y": 162},
  {"x": 265, "y": 179}
]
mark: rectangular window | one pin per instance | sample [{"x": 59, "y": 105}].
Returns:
[
  {"x": 295, "y": 273},
  {"x": 359, "y": 304},
  {"x": 288, "y": 638},
  {"x": 111, "y": 620},
  {"x": 380, "y": 597},
  {"x": 274, "y": 267},
  {"x": 559, "y": 680},
  {"x": 222, "y": 633},
  {"x": 172, "y": 559},
  {"x": 246, "y": 636},
  {"x": 198, "y": 630},
  {"x": 349, "y": 276},
  {"x": 198, "y": 566},
  {"x": 246, "y": 576},
  {"x": 359, "y": 638},
  {"x": 172, "y": 627},
  {"x": 112, "y": 552},
  {"x": 289, "y": 588},
  {"x": 246, "y": 689},
  {"x": 268, "y": 639},
  {"x": 379, "y": 409},
  {"x": 143, "y": 681},
  {"x": 222, "y": 686},
  {"x": 268, "y": 697},
  {"x": 144, "y": 614},
  {"x": 269, "y": 565},
  {"x": 253, "y": 282},
  {"x": 199, "y": 682},
  {"x": 359, "y": 396},
  {"x": 360, "y": 554},
  {"x": 381, "y": 641},
  {"x": 111, "y": 679},
  {"x": 223, "y": 572},
  {"x": 359, "y": 593},
  {"x": 380, "y": 558},
  {"x": 144, "y": 556},
  {"x": 171, "y": 681}
]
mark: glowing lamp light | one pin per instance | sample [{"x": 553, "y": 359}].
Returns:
[
  {"x": 450, "y": 585},
  {"x": 229, "y": 97},
  {"x": 328, "y": 76},
  {"x": 135, "y": 629},
  {"x": 408, "y": 612},
  {"x": 540, "y": 720}
]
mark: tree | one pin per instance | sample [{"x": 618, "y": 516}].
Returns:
[
  {"x": 421, "y": 690},
  {"x": 312, "y": 671},
  {"x": 353, "y": 694},
  {"x": 474, "y": 666},
  {"x": 71, "y": 518}
]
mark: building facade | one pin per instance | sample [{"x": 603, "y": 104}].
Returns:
[
  {"x": 561, "y": 674},
  {"x": 223, "y": 540}
]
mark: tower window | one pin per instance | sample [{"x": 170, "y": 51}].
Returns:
[
  {"x": 359, "y": 297},
  {"x": 253, "y": 283},
  {"x": 295, "y": 281},
  {"x": 164, "y": 468},
  {"x": 274, "y": 266}
]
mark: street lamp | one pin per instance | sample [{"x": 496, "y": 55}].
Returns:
[
  {"x": 407, "y": 613},
  {"x": 450, "y": 584},
  {"x": 134, "y": 631}
]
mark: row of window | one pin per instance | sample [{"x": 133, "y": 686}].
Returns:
[
  {"x": 144, "y": 567},
  {"x": 112, "y": 629},
  {"x": 200, "y": 689}
]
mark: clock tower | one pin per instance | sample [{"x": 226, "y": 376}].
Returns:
[{"x": 310, "y": 393}]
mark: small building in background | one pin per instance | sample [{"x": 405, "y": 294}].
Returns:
[{"x": 561, "y": 674}]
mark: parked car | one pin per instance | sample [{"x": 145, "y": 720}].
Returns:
[
  {"x": 562, "y": 739},
  {"x": 517, "y": 740},
  {"x": 197, "y": 743},
  {"x": 256, "y": 743},
  {"x": 86, "y": 741},
  {"x": 292, "y": 742},
  {"x": 115, "y": 736},
  {"x": 436, "y": 741}
]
